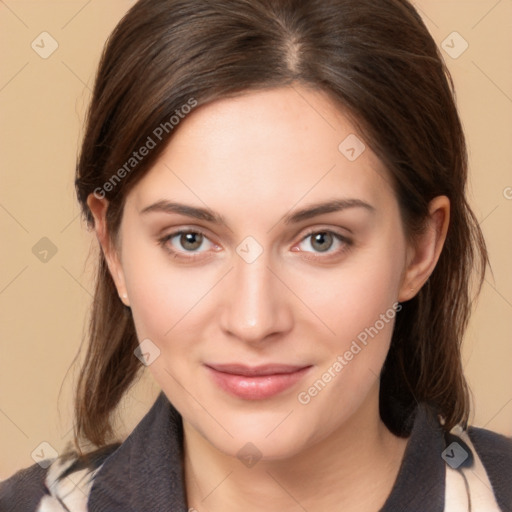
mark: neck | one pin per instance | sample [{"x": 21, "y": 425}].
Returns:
[{"x": 353, "y": 469}]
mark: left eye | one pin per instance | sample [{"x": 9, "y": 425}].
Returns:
[
  {"x": 188, "y": 241},
  {"x": 322, "y": 241}
]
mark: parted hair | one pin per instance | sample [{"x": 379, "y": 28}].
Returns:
[{"x": 378, "y": 62}]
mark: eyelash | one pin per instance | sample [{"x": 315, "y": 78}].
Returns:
[{"x": 347, "y": 244}]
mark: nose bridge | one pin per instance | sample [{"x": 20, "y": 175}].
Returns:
[{"x": 254, "y": 305}]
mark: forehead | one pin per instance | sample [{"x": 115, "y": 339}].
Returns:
[{"x": 272, "y": 147}]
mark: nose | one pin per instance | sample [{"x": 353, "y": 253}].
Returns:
[{"x": 256, "y": 305}]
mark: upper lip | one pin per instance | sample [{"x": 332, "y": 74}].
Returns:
[{"x": 256, "y": 371}]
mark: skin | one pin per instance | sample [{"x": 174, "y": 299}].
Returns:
[{"x": 253, "y": 160}]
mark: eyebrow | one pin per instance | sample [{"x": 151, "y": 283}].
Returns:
[
  {"x": 164, "y": 206},
  {"x": 326, "y": 207}
]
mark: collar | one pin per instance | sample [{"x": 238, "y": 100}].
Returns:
[
  {"x": 146, "y": 472},
  {"x": 420, "y": 483}
]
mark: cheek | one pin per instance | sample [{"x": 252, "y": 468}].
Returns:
[
  {"x": 362, "y": 316},
  {"x": 358, "y": 302},
  {"x": 165, "y": 303},
  {"x": 162, "y": 295},
  {"x": 354, "y": 295}
]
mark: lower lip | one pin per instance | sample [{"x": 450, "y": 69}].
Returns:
[{"x": 257, "y": 387}]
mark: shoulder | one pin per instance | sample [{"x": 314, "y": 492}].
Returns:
[
  {"x": 64, "y": 486},
  {"x": 23, "y": 491},
  {"x": 494, "y": 449},
  {"x": 495, "y": 452}
]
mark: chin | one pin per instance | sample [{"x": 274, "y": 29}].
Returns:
[
  {"x": 270, "y": 434},
  {"x": 257, "y": 445}
]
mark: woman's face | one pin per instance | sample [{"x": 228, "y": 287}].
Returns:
[{"x": 269, "y": 322}]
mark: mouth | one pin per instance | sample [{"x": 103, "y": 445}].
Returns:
[{"x": 256, "y": 382}]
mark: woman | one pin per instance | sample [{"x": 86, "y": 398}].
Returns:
[{"x": 278, "y": 191}]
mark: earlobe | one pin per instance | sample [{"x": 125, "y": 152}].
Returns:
[
  {"x": 98, "y": 207},
  {"x": 423, "y": 254}
]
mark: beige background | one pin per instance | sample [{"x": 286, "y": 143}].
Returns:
[{"x": 44, "y": 304}]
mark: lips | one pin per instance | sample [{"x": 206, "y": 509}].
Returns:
[{"x": 256, "y": 382}]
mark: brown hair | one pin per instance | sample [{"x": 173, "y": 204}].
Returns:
[{"x": 376, "y": 60}]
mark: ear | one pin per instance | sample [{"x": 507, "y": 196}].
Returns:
[
  {"x": 98, "y": 207},
  {"x": 424, "y": 252}
]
